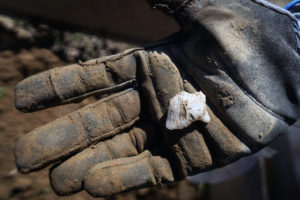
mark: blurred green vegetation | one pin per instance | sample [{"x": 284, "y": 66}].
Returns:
[
  {"x": 2, "y": 92},
  {"x": 78, "y": 37}
]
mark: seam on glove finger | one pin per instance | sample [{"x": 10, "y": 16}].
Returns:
[
  {"x": 147, "y": 85},
  {"x": 116, "y": 129},
  {"x": 145, "y": 155},
  {"x": 111, "y": 58},
  {"x": 100, "y": 91}
]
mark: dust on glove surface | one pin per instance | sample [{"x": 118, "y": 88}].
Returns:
[{"x": 242, "y": 54}]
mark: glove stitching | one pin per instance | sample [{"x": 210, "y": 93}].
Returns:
[
  {"x": 119, "y": 111},
  {"x": 145, "y": 155},
  {"x": 154, "y": 88},
  {"x": 112, "y": 58},
  {"x": 161, "y": 110},
  {"x": 134, "y": 141},
  {"x": 116, "y": 129},
  {"x": 86, "y": 131},
  {"x": 101, "y": 91},
  {"x": 55, "y": 88},
  {"x": 112, "y": 157}
]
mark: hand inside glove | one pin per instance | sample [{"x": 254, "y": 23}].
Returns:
[{"x": 150, "y": 128}]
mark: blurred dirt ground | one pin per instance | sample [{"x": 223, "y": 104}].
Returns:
[{"x": 27, "y": 49}]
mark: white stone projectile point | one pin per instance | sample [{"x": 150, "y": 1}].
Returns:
[{"x": 186, "y": 108}]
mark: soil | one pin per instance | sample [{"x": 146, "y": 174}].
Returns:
[{"x": 26, "y": 50}]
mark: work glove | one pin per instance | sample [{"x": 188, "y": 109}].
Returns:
[{"x": 153, "y": 125}]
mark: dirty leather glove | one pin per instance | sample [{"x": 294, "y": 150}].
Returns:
[{"x": 243, "y": 54}]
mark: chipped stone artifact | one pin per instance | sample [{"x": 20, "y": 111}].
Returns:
[{"x": 186, "y": 108}]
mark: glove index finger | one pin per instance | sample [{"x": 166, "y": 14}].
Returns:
[{"x": 69, "y": 83}]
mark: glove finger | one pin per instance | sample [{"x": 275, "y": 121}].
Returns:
[
  {"x": 112, "y": 177},
  {"x": 67, "y": 177},
  {"x": 77, "y": 130},
  {"x": 73, "y": 82},
  {"x": 188, "y": 146},
  {"x": 190, "y": 151},
  {"x": 224, "y": 146}
]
